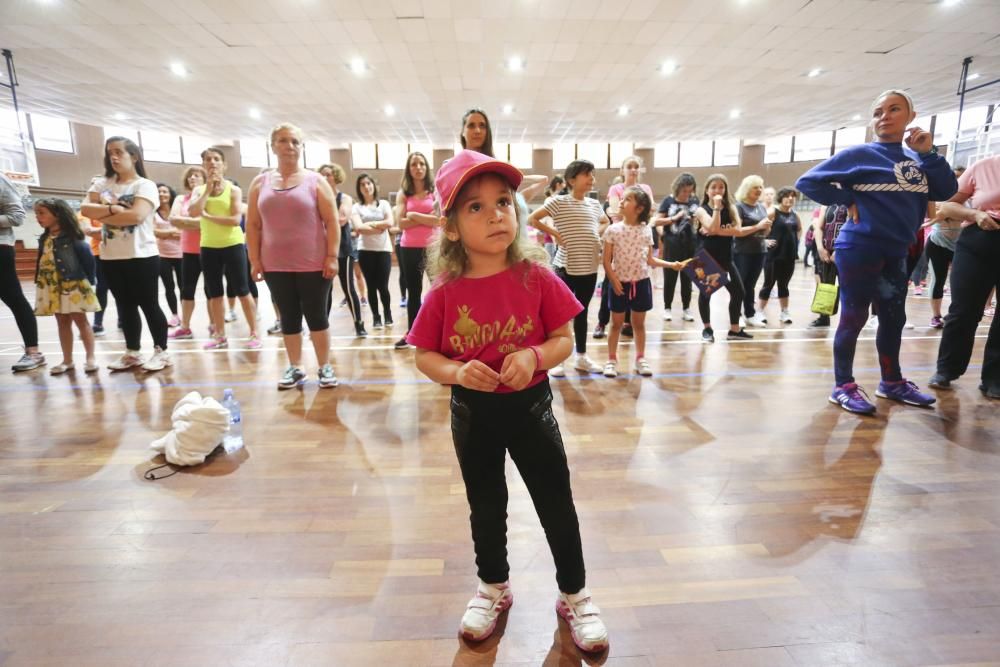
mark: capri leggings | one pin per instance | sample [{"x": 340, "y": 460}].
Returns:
[
  {"x": 231, "y": 262},
  {"x": 780, "y": 271},
  {"x": 940, "y": 259},
  {"x": 190, "y": 272},
  {"x": 298, "y": 295}
]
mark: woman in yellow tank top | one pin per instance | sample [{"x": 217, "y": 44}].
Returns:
[{"x": 219, "y": 203}]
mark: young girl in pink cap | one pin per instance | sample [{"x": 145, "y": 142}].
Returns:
[{"x": 496, "y": 319}]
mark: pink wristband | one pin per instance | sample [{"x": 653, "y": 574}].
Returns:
[{"x": 538, "y": 357}]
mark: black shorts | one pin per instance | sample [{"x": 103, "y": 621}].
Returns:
[{"x": 637, "y": 297}]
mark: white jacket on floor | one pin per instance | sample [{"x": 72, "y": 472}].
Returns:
[{"x": 199, "y": 425}]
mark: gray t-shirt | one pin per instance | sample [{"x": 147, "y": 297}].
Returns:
[
  {"x": 11, "y": 210},
  {"x": 755, "y": 244}
]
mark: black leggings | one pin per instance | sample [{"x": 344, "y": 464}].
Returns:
[
  {"x": 135, "y": 284},
  {"x": 299, "y": 294},
  {"x": 676, "y": 252},
  {"x": 582, "y": 288},
  {"x": 412, "y": 266},
  {"x": 190, "y": 272},
  {"x": 102, "y": 291},
  {"x": 168, "y": 267},
  {"x": 749, "y": 266},
  {"x": 736, "y": 294},
  {"x": 251, "y": 284},
  {"x": 13, "y": 297},
  {"x": 402, "y": 276},
  {"x": 376, "y": 266},
  {"x": 779, "y": 270},
  {"x": 940, "y": 259},
  {"x": 345, "y": 273},
  {"x": 231, "y": 261}
]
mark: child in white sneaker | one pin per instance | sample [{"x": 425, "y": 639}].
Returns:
[
  {"x": 494, "y": 321},
  {"x": 628, "y": 254}
]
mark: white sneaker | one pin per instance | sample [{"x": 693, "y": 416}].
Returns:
[
  {"x": 230, "y": 316},
  {"x": 128, "y": 360},
  {"x": 668, "y": 315},
  {"x": 908, "y": 325},
  {"x": 586, "y": 364},
  {"x": 688, "y": 315},
  {"x": 158, "y": 361},
  {"x": 584, "y": 619},
  {"x": 785, "y": 317},
  {"x": 557, "y": 371},
  {"x": 743, "y": 322},
  {"x": 480, "y": 617},
  {"x": 642, "y": 367},
  {"x": 758, "y": 320},
  {"x": 611, "y": 369},
  {"x": 872, "y": 322}
]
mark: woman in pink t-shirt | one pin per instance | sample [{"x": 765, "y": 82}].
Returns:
[
  {"x": 975, "y": 271},
  {"x": 416, "y": 196},
  {"x": 190, "y": 228},
  {"x": 168, "y": 242}
]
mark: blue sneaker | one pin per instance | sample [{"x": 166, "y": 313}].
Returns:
[
  {"x": 852, "y": 398},
  {"x": 904, "y": 391}
]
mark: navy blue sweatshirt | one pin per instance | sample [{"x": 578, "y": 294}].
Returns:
[{"x": 890, "y": 186}]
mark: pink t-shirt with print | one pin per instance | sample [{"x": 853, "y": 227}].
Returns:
[
  {"x": 489, "y": 318},
  {"x": 631, "y": 244},
  {"x": 982, "y": 180}
]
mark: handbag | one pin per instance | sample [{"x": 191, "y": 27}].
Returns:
[{"x": 825, "y": 299}]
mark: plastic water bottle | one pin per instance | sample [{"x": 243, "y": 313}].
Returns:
[{"x": 233, "y": 440}]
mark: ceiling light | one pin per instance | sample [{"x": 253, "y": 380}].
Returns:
[
  {"x": 389, "y": 110},
  {"x": 623, "y": 110},
  {"x": 508, "y": 109},
  {"x": 254, "y": 113},
  {"x": 972, "y": 77},
  {"x": 668, "y": 67},
  {"x": 735, "y": 113},
  {"x": 178, "y": 69},
  {"x": 358, "y": 66},
  {"x": 813, "y": 73},
  {"x": 856, "y": 116},
  {"x": 950, "y": 3},
  {"x": 121, "y": 116},
  {"x": 515, "y": 64}
]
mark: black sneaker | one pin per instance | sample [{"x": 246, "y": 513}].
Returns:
[
  {"x": 401, "y": 344},
  {"x": 98, "y": 330},
  {"x": 627, "y": 330},
  {"x": 990, "y": 391},
  {"x": 940, "y": 381},
  {"x": 820, "y": 322},
  {"x": 708, "y": 336},
  {"x": 359, "y": 330},
  {"x": 738, "y": 335},
  {"x": 377, "y": 323},
  {"x": 388, "y": 322}
]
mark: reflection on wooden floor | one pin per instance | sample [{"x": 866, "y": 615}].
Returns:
[{"x": 730, "y": 515}]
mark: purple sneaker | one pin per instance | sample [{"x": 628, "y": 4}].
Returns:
[
  {"x": 937, "y": 322},
  {"x": 852, "y": 398},
  {"x": 904, "y": 391}
]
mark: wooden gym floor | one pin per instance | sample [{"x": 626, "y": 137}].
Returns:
[{"x": 730, "y": 515}]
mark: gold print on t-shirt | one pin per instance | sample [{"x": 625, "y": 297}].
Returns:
[{"x": 472, "y": 335}]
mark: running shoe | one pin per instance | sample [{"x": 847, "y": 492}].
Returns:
[
  {"x": 557, "y": 371},
  {"x": 642, "y": 367},
  {"x": 327, "y": 378},
  {"x": 937, "y": 322},
  {"x": 28, "y": 362},
  {"x": 217, "y": 343},
  {"x": 254, "y": 343},
  {"x": 292, "y": 377},
  {"x": 158, "y": 361},
  {"x": 738, "y": 335},
  {"x": 480, "y": 617},
  {"x": 668, "y": 315},
  {"x": 785, "y": 317},
  {"x": 627, "y": 330},
  {"x": 688, "y": 315},
  {"x": 584, "y": 618},
  {"x": 128, "y": 360},
  {"x": 99, "y": 331},
  {"x": 181, "y": 333},
  {"x": 586, "y": 364},
  {"x": 174, "y": 321},
  {"x": 940, "y": 381},
  {"x": 274, "y": 329},
  {"x": 611, "y": 368},
  {"x": 708, "y": 336},
  {"x": 820, "y": 322},
  {"x": 599, "y": 331},
  {"x": 230, "y": 316},
  {"x": 401, "y": 344},
  {"x": 904, "y": 391},
  {"x": 758, "y": 320},
  {"x": 852, "y": 398}
]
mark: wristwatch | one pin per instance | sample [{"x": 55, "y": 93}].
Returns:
[{"x": 932, "y": 151}]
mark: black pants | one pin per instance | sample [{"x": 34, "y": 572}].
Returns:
[
  {"x": 13, "y": 297},
  {"x": 604, "y": 312},
  {"x": 975, "y": 271},
  {"x": 169, "y": 266},
  {"x": 749, "y": 266},
  {"x": 402, "y": 276},
  {"x": 376, "y": 266},
  {"x": 780, "y": 271},
  {"x": 230, "y": 261},
  {"x": 135, "y": 285},
  {"x": 484, "y": 428},
  {"x": 412, "y": 265},
  {"x": 345, "y": 274},
  {"x": 582, "y": 288},
  {"x": 101, "y": 288},
  {"x": 299, "y": 294},
  {"x": 736, "y": 294},
  {"x": 811, "y": 250},
  {"x": 676, "y": 252},
  {"x": 190, "y": 272},
  {"x": 940, "y": 259}
]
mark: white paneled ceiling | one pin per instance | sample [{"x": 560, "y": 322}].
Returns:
[{"x": 88, "y": 60}]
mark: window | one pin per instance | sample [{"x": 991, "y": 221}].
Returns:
[
  {"x": 427, "y": 150},
  {"x": 161, "y": 147},
  {"x": 619, "y": 151},
  {"x": 192, "y": 148},
  {"x": 922, "y": 122},
  {"x": 778, "y": 149},
  {"x": 562, "y": 155},
  {"x": 363, "y": 156},
  {"x": 392, "y": 156},
  {"x": 812, "y": 146},
  {"x": 51, "y": 134},
  {"x": 126, "y": 132},
  {"x": 727, "y": 153},
  {"x": 947, "y": 124},
  {"x": 596, "y": 153},
  {"x": 521, "y": 155},
  {"x": 254, "y": 153},
  {"x": 849, "y": 136},
  {"x": 315, "y": 154},
  {"x": 665, "y": 155},
  {"x": 696, "y": 153}
]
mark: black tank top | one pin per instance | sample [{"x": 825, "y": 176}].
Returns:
[{"x": 719, "y": 247}]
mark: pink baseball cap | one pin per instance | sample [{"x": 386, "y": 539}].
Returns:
[{"x": 465, "y": 166}]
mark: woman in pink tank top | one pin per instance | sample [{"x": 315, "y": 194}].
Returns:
[
  {"x": 293, "y": 234},
  {"x": 190, "y": 248}
]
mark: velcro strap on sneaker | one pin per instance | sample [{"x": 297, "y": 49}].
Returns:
[
  {"x": 586, "y": 608},
  {"x": 481, "y": 603}
]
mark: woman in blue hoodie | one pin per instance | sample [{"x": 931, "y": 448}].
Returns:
[{"x": 887, "y": 188}]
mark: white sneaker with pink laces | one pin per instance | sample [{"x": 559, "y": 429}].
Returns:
[
  {"x": 584, "y": 619},
  {"x": 480, "y": 618}
]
